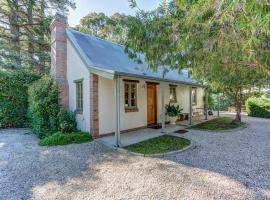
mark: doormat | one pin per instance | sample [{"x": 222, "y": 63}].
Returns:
[
  {"x": 181, "y": 131},
  {"x": 155, "y": 126}
]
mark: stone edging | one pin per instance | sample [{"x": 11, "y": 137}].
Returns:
[{"x": 160, "y": 155}]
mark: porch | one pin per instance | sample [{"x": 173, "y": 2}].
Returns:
[
  {"x": 133, "y": 137},
  {"x": 137, "y": 136}
]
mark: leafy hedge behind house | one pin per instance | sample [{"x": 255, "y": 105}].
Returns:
[
  {"x": 13, "y": 97},
  {"x": 258, "y": 107}
]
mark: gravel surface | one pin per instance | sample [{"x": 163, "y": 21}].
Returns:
[{"x": 230, "y": 165}]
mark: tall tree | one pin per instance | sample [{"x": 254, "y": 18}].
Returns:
[
  {"x": 212, "y": 38},
  {"x": 25, "y": 34},
  {"x": 113, "y": 28}
]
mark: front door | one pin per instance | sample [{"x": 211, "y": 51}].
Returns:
[{"x": 151, "y": 104}]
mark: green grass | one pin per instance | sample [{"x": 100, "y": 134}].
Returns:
[
  {"x": 219, "y": 124},
  {"x": 60, "y": 138},
  {"x": 161, "y": 144}
]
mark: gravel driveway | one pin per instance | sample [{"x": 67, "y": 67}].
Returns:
[{"x": 232, "y": 165}]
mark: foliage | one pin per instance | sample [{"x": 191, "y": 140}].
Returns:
[
  {"x": 216, "y": 40},
  {"x": 66, "y": 121},
  {"x": 25, "y": 32},
  {"x": 218, "y": 124},
  {"x": 161, "y": 144},
  {"x": 60, "y": 138},
  {"x": 247, "y": 95},
  {"x": 43, "y": 106},
  {"x": 210, "y": 102},
  {"x": 13, "y": 97},
  {"x": 224, "y": 102},
  {"x": 173, "y": 110},
  {"x": 258, "y": 107},
  {"x": 113, "y": 28}
]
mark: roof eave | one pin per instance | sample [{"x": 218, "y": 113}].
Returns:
[{"x": 157, "y": 79}]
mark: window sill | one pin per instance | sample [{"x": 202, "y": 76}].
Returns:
[
  {"x": 78, "y": 112},
  {"x": 127, "y": 110}
]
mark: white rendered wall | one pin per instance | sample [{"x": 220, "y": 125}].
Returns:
[
  {"x": 130, "y": 120},
  {"x": 76, "y": 69}
]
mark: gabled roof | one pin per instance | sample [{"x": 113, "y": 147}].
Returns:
[{"x": 108, "y": 57}]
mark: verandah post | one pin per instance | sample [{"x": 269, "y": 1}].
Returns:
[
  {"x": 162, "y": 109},
  {"x": 190, "y": 106},
  {"x": 117, "y": 110},
  {"x": 206, "y": 104}
]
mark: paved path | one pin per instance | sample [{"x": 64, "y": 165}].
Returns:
[{"x": 233, "y": 165}]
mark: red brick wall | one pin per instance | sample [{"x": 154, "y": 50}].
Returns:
[
  {"x": 59, "y": 56},
  {"x": 94, "y": 120}
]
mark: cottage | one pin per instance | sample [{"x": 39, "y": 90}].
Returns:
[{"x": 110, "y": 92}]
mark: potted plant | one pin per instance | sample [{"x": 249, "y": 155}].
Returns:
[{"x": 173, "y": 111}]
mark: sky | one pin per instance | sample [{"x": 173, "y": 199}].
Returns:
[{"x": 108, "y": 7}]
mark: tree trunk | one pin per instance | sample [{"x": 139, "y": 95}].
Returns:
[
  {"x": 15, "y": 32},
  {"x": 42, "y": 50},
  {"x": 238, "y": 106},
  {"x": 30, "y": 34}
]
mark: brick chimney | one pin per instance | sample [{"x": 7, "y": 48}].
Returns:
[{"x": 59, "y": 56}]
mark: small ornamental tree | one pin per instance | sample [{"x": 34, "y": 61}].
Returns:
[{"x": 43, "y": 106}]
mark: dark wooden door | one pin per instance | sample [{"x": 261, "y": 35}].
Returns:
[{"x": 151, "y": 104}]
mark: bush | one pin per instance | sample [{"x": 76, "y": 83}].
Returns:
[
  {"x": 258, "y": 107},
  {"x": 13, "y": 97},
  {"x": 66, "y": 121},
  {"x": 43, "y": 106},
  {"x": 60, "y": 138},
  {"x": 173, "y": 110}
]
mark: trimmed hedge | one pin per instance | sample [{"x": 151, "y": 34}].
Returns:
[
  {"x": 258, "y": 107},
  {"x": 13, "y": 97}
]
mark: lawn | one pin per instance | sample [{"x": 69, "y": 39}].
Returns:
[
  {"x": 158, "y": 145},
  {"x": 218, "y": 124}
]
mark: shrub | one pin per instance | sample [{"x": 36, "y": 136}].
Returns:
[
  {"x": 66, "y": 121},
  {"x": 173, "y": 110},
  {"x": 13, "y": 97},
  {"x": 258, "y": 107},
  {"x": 60, "y": 138},
  {"x": 43, "y": 106}
]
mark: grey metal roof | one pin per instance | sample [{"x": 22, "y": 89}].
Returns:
[{"x": 110, "y": 57}]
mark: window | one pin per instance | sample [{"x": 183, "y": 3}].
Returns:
[
  {"x": 194, "y": 96},
  {"x": 173, "y": 97},
  {"x": 131, "y": 96},
  {"x": 79, "y": 96}
]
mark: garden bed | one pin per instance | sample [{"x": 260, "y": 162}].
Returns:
[
  {"x": 60, "y": 138},
  {"x": 159, "y": 145},
  {"x": 218, "y": 124}
]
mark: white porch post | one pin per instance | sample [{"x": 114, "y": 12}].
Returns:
[
  {"x": 190, "y": 106},
  {"x": 163, "y": 109},
  {"x": 117, "y": 110},
  {"x": 206, "y": 104}
]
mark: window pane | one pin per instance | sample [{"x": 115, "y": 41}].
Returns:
[{"x": 130, "y": 95}]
